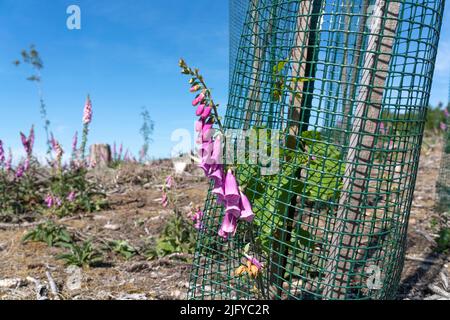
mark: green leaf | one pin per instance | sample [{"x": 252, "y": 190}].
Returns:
[
  {"x": 279, "y": 66},
  {"x": 311, "y": 137}
]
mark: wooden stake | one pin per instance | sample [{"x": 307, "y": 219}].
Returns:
[
  {"x": 255, "y": 74},
  {"x": 299, "y": 56},
  {"x": 355, "y": 183},
  {"x": 302, "y": 57}
]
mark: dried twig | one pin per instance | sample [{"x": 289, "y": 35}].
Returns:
[
  {"x": 52, "y": 285},
  {"x": 427, "y": 236},
  {"x": 436, "y": 290},
  {"x": 422, "y": 260}
]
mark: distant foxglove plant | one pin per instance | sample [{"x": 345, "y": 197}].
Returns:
[
  {"x": 2, "y": 154},
  {"x": 87, "y": 119},
  {"x": 146, "y": 132},
  {"x": 33, "y": 58}
]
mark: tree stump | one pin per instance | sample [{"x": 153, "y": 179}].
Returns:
[{"x": 100, "y": 155}]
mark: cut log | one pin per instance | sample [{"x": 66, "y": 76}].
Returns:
[
  {"x": 344, "y": 239},
  {"x": 100, "y": 155}
]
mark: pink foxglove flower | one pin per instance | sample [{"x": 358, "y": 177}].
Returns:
[
  {"x": 49, "y": 201},
  {"x": 75, "y": 142},
  {"x": 20, "y": 171},
  {"x": 254, "y": 262},
  {"x": 195, "y": 88},
  {"x": 232, "y": 195},
  {"x": 229, "y": 226},
  {"x": 31, "y": 139},
  {"x": 164, "y": 200},
  {"x": 217, "y": 175},
  {"x": 198, "y": 99},
  {"x": 443, "y": 126},
  {"x": 58, "y": 150},
  {"x": 28, "y": 142},
  {"x": 206, "y": 113},
  {"x": 205, "y": 152},
  {"x": 169, "y": 182},
  {"x": 233, "y": 209},
  {"x": 53, "y": 142},
  {"x": 446, "y": 113},
  {"x": 253, "y": 266},
  {"x": 207, "y": 133},
  {"x": 8, "y": 164},
  {"x": 24, "y": 140},
  {"x": 58, "y": 202},
  {"x": 87, "y": 114},
  {"x": 200, "y": 109},
  {"x": 226, "y": 189},
  {"x": 216, "y": 156},
  {"x": 26, "y": 164},
  {"x": 198, "y": 126},
  {"x": 246, "y": 209},
  {"x": 72, "y": 196},
  {"x": 2, "y": 153},
  {"x": 205, "y": 167},
  {"x": 223, "y": 234},
  {"x": 219, "y": 191},
  {"x": 197, "y": 219}
]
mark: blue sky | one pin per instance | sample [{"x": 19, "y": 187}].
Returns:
[{"x": 125, "y": 56}]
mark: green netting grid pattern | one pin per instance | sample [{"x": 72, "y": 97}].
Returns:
[{"x": 294, "y": 234}]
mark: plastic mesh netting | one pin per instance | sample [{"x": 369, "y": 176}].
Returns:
[
  {"x": 238, "y": 9},
  {"x": 341, "y": 88}
]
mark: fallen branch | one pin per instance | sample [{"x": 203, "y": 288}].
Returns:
[
  {"x": 422, "y": 260},
  {"x": 426, "y": 235},
  {"x": 52, "y": 285},
  {"x": 441, "y": 292}
]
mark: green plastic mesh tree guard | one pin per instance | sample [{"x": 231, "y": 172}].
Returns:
[
  {"x": 345, "y": 85},
  {"x": 443, "y": 183},
  {"x": 238, "y": 9}
]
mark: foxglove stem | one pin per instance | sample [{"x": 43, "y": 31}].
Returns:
[
  {"x": 87, "y": 118},
  {"x": 8, "y": 164},
  {"x": 84, "y": 141},
  {"x": 212, "y": 104},
  {"x": 74, "y": 146}
]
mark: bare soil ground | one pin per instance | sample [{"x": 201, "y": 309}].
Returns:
[
  {"x": 27, "y": 270},
  {"x": 425, "y": 272},
  {"x": 135, "y": 216}
]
